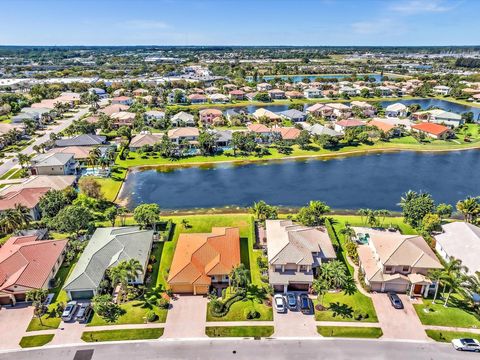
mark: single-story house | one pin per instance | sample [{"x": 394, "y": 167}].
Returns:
[
  {"x": 232, "y": 113},
  {"x": 236, "y": 95},
  {"x": 153, "y": 115},
  {"x": 197, "y": 98},
  {"x": 261, "y": 112},
  {"x": 442, "y": 89},
  {"x": 28, "y": 263},
  {"x": 342, "y": 125},
  {"x": 294, "y": 252},
  {"x": 144, "y": 139},
  {"x": 460, "y": 240},
  {"x": 107, "y": 248},
  {"x": 287, "y": 133},
  {"x": 181, "y": 134},
  {"x": 394, "y": 262},
  {"x": 114, "y": 108},
  {"x": 262, "y": 132},
  {"x": 82, "y": 140},
  {"x": 396, "y": 110},
  {"x": 293, "y": 115},
  {"x": 385, "y": 127},
  {"x": 367, "y": 109},
  {"x": 223, "y": 138},
  {"x": 264, "y": 87},
  {"x": 318, "y": 129},
  {"x": 140, "y": 92},
  {"x": 219, "y": 98},
  {"x": 123, "y": 118},
  {"x": 53, "y": 163},
  {"x": 26, "y": 197},
  {"x": 182, "y": 119},
  {"x": 204, "y": 260},
  {"x": 122, "y": 100},
  {"x": 101, "y": 93},
  {"x": 435, "y": 131},
  {"x": 439, "y": 116},
  {"x": 41, "y": 181}
]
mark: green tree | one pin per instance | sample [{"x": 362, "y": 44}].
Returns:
[
  {"x": 470, "y": 208},
  {"x": 111, "y": 214},
  {"x": 104, "y": 306},
  {"x": 38, "y": 297},
  {"x": 320, "y": 287},
  {"x": 207, "y": 142},
  {"x": 415, "y": 206},
  {"x": 444, "y": 210},
  {"x": 431, "y": 222},
  {"x": 90, "y": 187},
  {"x": 72, "y": 219},
  {"x": 147, "y": 215},
  {"x": 313, "y": 214},
  {"x": 435, "y": 275},
  {"x": 334, "y": 273},
  {"x": 166, "y": 147},
  {"x": 262, "y": 211},
  {"x": 52, "y": 202},
  {"x": 239, "y": 277}
]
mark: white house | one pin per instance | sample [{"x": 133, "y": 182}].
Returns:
[
  {"x": 396, "y": 110},
  {"x": 442, "y": 90}
]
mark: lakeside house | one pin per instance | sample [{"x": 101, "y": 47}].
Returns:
[
  {"x": 294, "y": 252},
  {"x": 385, "y": 127},
  {"x": 261, "y": 112},
  {"x": 209, "y": 116},
  {"x": 184, "y": 134},
  {"x": 318, "y": 129},
  {"x": 442, "y": 90},
  {"x": 432, "y": 130},
  {"x": 312, "y": 93},
  {"x": 28, "y": 263},
  {"x": 197, "y": 99},
  {"x": 396, "y": 110},
  {"x": 82, "y": 140},
  {"x": 204, "y": 260},
  {"x": 236, "y": 95},
  {"x": 293, "y": 115},
  {"x": 342, "y": 125},
  {"x": 394, "y": 262},
  {"x": 107, "y": 248},
  {"x": 58, "y": 182},
  {"x": 439, "y": 116},
  {"x": 263, "y": 87},
  {"x": 141, "y": 140},
  {"x": 460, "y": 240},
  {"x": 263, "y": 133}
]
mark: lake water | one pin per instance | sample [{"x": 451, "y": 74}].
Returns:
[
  {"x": 299, "y": 78},
  {"x": 424, "y": 103},
  {"x": 368, "y": 181}
]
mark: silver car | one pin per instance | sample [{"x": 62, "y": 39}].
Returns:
[
  {"x": 84, "y": 312},
  {"x": 69, "y": 311},
  {"x": 279, "y": 303},
  {"x": 466, "y": 345}
]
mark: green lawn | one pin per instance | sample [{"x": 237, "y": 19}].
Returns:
[
  {"x": 454, "y": 315},
  {"x": 447, "y": 336},
  {"x": 239, "y": 331},
  {"x": 8, "y": 173},
  {"x": 50, "y": 319},
  {"x": 355, "y": 220},
  {"x": 35, "y": 341},
  {"x": 112, "y": 185},
  {"x": 119, "y": 335},
  {"x": 201, "y": 224},
  {"x": 341, "y": 307},
  {"x": 238, "y": 309},
  {"x": 135, "y": 313},
  {"x": 350, "y": 331}
]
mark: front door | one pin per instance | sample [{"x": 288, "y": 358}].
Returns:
[{"x": 418, "y": 289}]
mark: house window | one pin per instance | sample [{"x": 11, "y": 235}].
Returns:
[
  {"x": 278, "y": 267},
  {"x": 303, "y": 267},
  {"x": 388, "y": 269},
  {"x": 405, "y": 268}
]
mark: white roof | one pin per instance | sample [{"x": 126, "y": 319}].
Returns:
[
  {"x": 396, "y": 107},
  {"x": 461, "y": 240}
]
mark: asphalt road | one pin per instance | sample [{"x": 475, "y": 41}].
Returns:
[
  {"x": 220, "y": 349},
  {"x": 62, "y": 125}
]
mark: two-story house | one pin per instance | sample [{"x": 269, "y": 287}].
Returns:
[
  {"x": 182, "y": 134},
  {"x": 294, "y": 252},
  {"x": 394, "y": 262},
  {"x": 53, "y": 163}
]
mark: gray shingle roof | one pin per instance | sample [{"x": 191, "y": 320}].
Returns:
[
  {"x": 317, "y": 129},
  {"x": 293, "y": 114},
  {"x": 52, "y": 159},
  {"x": 81, "y": 140},
  {"x": 107, "y": 247}
]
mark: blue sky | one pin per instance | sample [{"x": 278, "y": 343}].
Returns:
[{"x": 239, "y": 22}]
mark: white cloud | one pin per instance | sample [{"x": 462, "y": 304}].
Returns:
[
  {"x": 383, "y": 26},
  {"x": 145, "y": 24},
  {"x": 421, "y": 6}
]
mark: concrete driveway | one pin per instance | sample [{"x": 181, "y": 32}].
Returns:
[
  {"x": 187, "y": 317},
  {"x": 13, "y": 324},
  {"x": 294, "y": 324},
  {"x": 398, "y": 324}
]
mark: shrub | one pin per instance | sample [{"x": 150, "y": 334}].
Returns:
[
  {"x": 351, "y": 248},
  {"x": 220, "y": 309},
  {"x": 163, "y": 303},
  {"x": 151, "y": 316},
  {"x": 251, "y": 314}
]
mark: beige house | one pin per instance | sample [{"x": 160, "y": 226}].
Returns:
[
  {"x": 53, "y": 163},
  {"x": 294, "y": 251},
  {"x": 394, "y": 262}
]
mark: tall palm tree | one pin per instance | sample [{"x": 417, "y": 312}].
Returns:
[
  {"x": 405, "y": 199},
  {"x": 348, "y": 232},
  {"x": 454, "y": 282},
  {"x": 470, "y": 208},
  {"x": 453, "y": 268},
  {"x": 239, "y": 277},
  {"x": 363, "y": 213},
  {"x": 23, "y": 214},
  {"x": 436, "y": 276},
  {"x": 94, "y": 156},
  {"x": 334, "y": 273},
  {"x": 132, "y": 268},
  {"x": 10, "y": 221}
]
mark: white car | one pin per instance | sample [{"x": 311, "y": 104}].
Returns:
[
  {"x": 466, "y": 345},
  {"x": 69, "y": 311},
  {"x": 279, "y": 303}
]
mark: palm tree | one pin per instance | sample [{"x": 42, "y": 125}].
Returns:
[
  {"x": 472, "y": 286},
  {"x": 454, "y": 282},
  {"x": 23, "y": 214},
  {"x": 133, "y": 268},
  {"x": 239, "y": 277},
  {"x": 23, "y": 159},
  {"x": 383, "y": 213},
  {"x": 321, "y": 287},
  {"x": 348, "y": 232},
  {"x": 470, "y": 208},
  {"x": 334, "y": 273},
  {"x": 452, "y": 269},
  {"x": 263, "y": 211},
  {"x": 93, "y": 156},
  {"x": 435, "y": 276},
  {"x": 407, "y": 197},
  {"x": 122, "y": 212},
  {"x": 38, "y": 297},
  {"x": 363, "y": 213},
  {"x": 10, "y": 221}
]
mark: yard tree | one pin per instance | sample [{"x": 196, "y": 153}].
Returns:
[
  {"x": 470, "y": 208},
  {"x": 90, "y": 187},
  {"x": 313, "y": 214},
  {"x": 326, "y": 141},
  {"x": 207, "y": 142},
  {"x": 320, "y": 286},
  {"x": 165, "y": 147},
  {"x": 38, "y": 297},
  {"x": 415, "y": 206},
  {"x": 263, "y": 211},
  {"x": 303, "y": 139},
  {"x": 52, "y": 202},
  {"x": 104, "y": 306},
  {"x": 239, "y": 277},
  {"x": 111, "y": 214},
  {"x": 334, "y": 273},
  {"x": 72, "y": 219},
  {"x": 467, "y": 117},
  {"x": 444, "y": 210},
  {"x": 431, "y": 222},
  {"x": 245, "y": 142},
  {"x": 435, "y": 275},
  {"x": 147, "y": 215}
]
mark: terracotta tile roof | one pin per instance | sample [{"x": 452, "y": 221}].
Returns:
[
  {"x": 114, "y": 108},
  {"x": 350, "y": 123},
  {"x": 199, "y": 256},
  {"x": 27, "y": 261},
  {"x": 431, "y": 128},
  {"x": 183, "y": 132},
  {"x": 26, "y": 197},
  {"x": 258, "y": 128},
  {"x": 287, "y": 133},
  {"x": 214, "y": 112},
  {"x": 381, "y": 125}
]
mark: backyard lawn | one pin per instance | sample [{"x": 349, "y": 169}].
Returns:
[
  {"x": 447, "y": 336},
  {"x": 112, "y": 185},
  {"x": 350, "y": 331},
  {"x": 35, "y": 341},
  {"x": 454, "y": 315},
  {"x": 341, "y": 307},
  {"x": 119, "y": 335},
  {"x": 239, "y": 331}
]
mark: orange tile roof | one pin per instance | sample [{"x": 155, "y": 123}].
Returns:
[
  {"x": 199, "y": 256},
  {"x": 381, "y": 125},
  {"x": 28, "y": 197},
  {"x": 27, "y": 261},
  {"x": 287, "y": 133},
  {"x": 258, "y": 128},
  {"x": 431, "y": 128}
]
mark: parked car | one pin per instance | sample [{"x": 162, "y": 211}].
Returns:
[
  {"x": 466, "y": 345},
  {"x": 305, "y": 304},
  {"x": 279, "y": 302},
  {"x": 84, "y": 312},
  {"x": 69, "y": 311},
  {"x": 292, "y": 301},
  {"x": 395, "y": 300}
]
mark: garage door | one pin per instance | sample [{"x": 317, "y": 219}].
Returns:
[
  {"x": 396, "y": 287},
  {"x": 82, "y": 295},
  {"x": 298, "y": 287}
]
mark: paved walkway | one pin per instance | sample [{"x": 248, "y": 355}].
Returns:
[
  {"x": 356, "y": 270},
  {"x": 13, "y": 323},
  {"x": 447, "y": 328},
  {"x": 187, "y": 317},
  {"x": 398, "y": 324}
]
